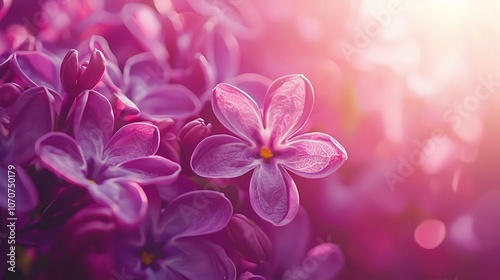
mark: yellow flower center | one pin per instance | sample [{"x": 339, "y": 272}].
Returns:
[
  {"x": 147, "y": 258},
  {"x": 266, "y": 153}
]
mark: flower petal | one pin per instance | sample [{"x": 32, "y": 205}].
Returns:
[
  {"x": 93, "y": 123},
  {"x": 222, "y": 51},
  {"x": 132, "y": 141},
  {"x": 222, "y": 156},
  {"x": 26, "y": 193},
  {"x": 60, "y": 154},
  {"x": 151, "y": 170},
  {"x": 287, "y": 106},
  {"x": 237, "y": 111},
  {"x": 146, "y": 68},
  {"x": 144, "y": 24},
  {"x": 322, "y": 262},
  {"x": 75, "y": 250},
  {"x": 33, "y": 115},
  {"x": 250, "y": 276},
  {"x": 169, "y": 101},
  {"x": 273, "y": 195},
  {"x": 313, "y": 155},
  {"x": 127, "y": 199},
  {"x": 35, "y": 69},
  {"x": 195, "y": 213},
  {"x": 200, "y": 259},
  {"x": 254, "y": 83}
]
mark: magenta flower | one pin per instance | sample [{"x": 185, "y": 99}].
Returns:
[
  {"x": 110, "y": 166},
  {"x": 170, "y": 242},
  {"x": 267, "y": 143}
]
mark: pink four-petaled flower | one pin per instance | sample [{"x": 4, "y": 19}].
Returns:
[{"x": 267, "y": 143}]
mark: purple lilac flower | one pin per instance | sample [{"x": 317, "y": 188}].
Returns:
[
  {"x": 31, "y": 69},
  {"x": 323, "y": 261},
  {"x": 109, "y": 166},
  {"x": 267, "y": 143},
  {"x": 170, "y": 243},
  {"x": 31, "y": 116}
]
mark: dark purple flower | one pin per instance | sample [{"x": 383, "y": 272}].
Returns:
[
  {"x": 110, "y": 166},
  {"x": 248, "y": 239},
  {"x": 85, "y": 247},
  {"x": 267, "y": 143},
  {"x": 293, "y": 260},
  {"x": 170, "y": 245},
  {"x": 31, "y": 116}
]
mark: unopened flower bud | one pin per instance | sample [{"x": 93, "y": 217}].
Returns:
[
  {"x": 92, "y": 73},
  {"x": 193, "y": 132},
  {"x": 69, "y": 71},
  {"x": 249, "y": 240},
  {"x": 76, "y": 78}
]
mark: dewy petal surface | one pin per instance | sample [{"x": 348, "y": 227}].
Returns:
[
  {"x": 200, "y": 259},
  {"x": 313, "y": 155},
  {"x": 132, "y": 141},
  {"x": 222, "y": 156},
  {"x": 195, "y": 213},
  {"x": 287, "y": 106},
  {"x": 93, "y": 123},
  {"x": 273, "y": 194},
  {"x": 237, "y": 111},
  {"x": 127, "y": 199},
  {"x": 152, "y": 169},
  {"x": 60, "y": 154}
]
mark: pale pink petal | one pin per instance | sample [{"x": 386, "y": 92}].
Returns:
[
  {"x": 169, "y": 101},
  {"x": 60, "y": 154},
  {"x": 273, "y": 195},
  {"x": 151, "y": 170},
  {"x": 127, "y": 199},
  {"x": 93, "y": 123},
  {"x": 237, "y": 111},
  {"x": 287, "y": 106},
  {"x": 132, "y": 141},
  {"x": 195, "y": 213},
  {"x": 313, "y": 155},
  {"x": 222, "y": 156}
]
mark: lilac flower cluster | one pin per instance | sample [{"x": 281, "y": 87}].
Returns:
[{"x": 102, "y": 114}]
